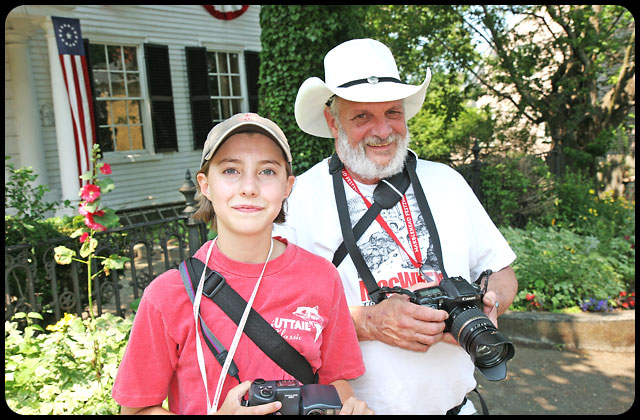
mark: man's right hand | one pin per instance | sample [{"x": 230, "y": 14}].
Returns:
[{"x": 398, "y": 322}]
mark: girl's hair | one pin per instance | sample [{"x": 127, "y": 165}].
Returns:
[{"x": 205, "y": 210}]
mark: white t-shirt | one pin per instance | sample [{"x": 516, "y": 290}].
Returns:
[{"x": 399, "y": 381}]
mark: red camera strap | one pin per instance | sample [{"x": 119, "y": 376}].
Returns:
[{"x": 416, "y": 260}]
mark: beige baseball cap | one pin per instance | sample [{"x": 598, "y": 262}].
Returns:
[{"x": 241, "y": 123}]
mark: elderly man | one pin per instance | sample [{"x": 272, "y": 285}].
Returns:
[{"x": 430, "y": 227}]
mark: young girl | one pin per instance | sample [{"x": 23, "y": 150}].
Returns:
[{"x": 245, "y": 177}]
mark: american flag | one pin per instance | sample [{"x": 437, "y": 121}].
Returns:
[{"x": 76, "y": 78}]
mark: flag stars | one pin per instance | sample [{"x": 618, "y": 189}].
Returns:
[{"x": 68, "y": 35}]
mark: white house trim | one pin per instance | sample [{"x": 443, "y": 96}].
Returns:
[{"x": 26, "y": 109}]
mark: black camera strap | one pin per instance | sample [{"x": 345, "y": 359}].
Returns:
[
  {"x": 256, "y": 328},
  {"x": 352, "y": 234},
  {"x": 384, "y": 197}
]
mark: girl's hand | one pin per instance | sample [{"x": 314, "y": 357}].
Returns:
[
  {"x": 233, "y": 403},
  {"x": 354, "y": 406}
]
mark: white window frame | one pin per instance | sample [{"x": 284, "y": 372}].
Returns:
[
  {"x": 148, "y": 153},
  {"x": 239, "y": 50}
]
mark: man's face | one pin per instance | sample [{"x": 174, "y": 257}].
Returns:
[{"x": 371, "y": 137}]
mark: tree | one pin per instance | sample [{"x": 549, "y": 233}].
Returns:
[
  {"x": 295, "y": 40},
  {"x": 570, "y": 69},
  {"x": 447, "y": 125}
]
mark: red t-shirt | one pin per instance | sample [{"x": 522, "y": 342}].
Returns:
[{"x": 300, "y": 295}]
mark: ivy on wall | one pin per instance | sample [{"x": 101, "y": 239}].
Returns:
[{"x": 295, "y": 40}]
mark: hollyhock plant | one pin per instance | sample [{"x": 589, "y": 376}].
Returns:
[{"x": 96, "y": 219}]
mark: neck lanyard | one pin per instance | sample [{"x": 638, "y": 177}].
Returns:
[
  {"x": 212, "y": 408},
  {"x": 408, "y": 219}
]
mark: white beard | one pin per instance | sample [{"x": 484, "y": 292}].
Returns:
[{"x": 356, "y": 161}]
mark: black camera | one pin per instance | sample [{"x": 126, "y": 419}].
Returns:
[
  {"x": 489, "y": 348},
  {"x": 308, "y": 399}
]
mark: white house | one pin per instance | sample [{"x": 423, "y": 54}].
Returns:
[{"x": 161, "y": 77}]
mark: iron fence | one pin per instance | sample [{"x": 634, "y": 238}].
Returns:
[{"x": 35, "y": 282}]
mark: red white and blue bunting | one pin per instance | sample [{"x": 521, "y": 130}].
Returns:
[{"x": 226, "y": 12}]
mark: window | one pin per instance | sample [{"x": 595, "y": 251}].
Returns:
[
  {"x": 223, "y": 72},
  {"x": 118, "y": 97},
  {"x": 215, "y": 87}
]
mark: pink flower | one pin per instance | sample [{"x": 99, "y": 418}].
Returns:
[
  {"x": 84, "y": 237},
  {"x": 105, "y": 168},
  {"x": 88, "y": 220},
  {"x": 82, "y": 209},
  {"x": 90, "y": 193}
]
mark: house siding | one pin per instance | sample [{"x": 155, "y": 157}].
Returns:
[{"x": 147, "y": 178}]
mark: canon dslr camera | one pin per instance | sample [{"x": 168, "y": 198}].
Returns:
[
  {"x": 305, "y": 399},
  {"x": 489, "y": 349}
]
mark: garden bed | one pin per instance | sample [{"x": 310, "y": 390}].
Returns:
[{"x": 605, "y": 331}]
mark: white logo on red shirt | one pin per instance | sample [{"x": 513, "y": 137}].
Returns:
[{"x": 308, "y": 320}]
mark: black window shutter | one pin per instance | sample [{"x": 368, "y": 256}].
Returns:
[
  {"x": 199, "y": 97},
  {"x": 106, "y": 144},
  {"x": 252, "y": 67},
  {"x": 161, "y": 97}
]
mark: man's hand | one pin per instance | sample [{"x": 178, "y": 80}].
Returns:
[
  {"x": 398, "y": 322},
  {"x": 501, "y": 291}
]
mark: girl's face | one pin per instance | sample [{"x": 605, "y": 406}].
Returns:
[{"x": 246, "y": 183}]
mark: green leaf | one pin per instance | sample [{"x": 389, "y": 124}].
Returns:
[
  {"x": 109, "y": 219},
  {"x": 115, "y": 262},
  {"x": 92, "y": 207},
  {"x": 106, "y": 185},
  {"x": 77, "y": 233},
  {"x": 87, "y": 176},
  {"x": 34, "y": 315},
  {"x": 63, "y": 255},
  {"x": 88, "y": 247}
]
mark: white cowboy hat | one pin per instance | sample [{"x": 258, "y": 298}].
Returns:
[{"x": 359, "y": 70}]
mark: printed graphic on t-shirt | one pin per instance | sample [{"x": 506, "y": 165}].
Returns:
[
  {"x": 305, "y": 319},
  {"x": 389, "y": 264}
]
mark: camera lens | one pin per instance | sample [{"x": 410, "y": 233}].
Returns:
[{"x": 488, "y": 348}]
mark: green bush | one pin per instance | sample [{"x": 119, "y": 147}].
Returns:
[
  {"x": 54, "y": 373},
  {"x": 26, "y": 202},
  {"x": 562, "y": 269},
  {"x": 517, "y": 191},
  {"x": 580, "y": 209}
]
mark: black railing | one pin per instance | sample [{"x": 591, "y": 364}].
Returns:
[{"x": 34, "y": 282}]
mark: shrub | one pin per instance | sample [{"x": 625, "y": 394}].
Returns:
[
  {"x": 517, "y": 191},
  {"x": 582, "y": 210},
  {"x": 23, "y": 197},
  {"x": 563, "y": 269},
  {"x": 52, "y": 373}
]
